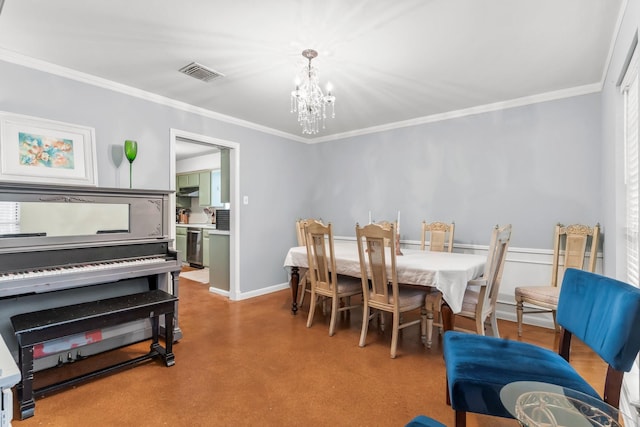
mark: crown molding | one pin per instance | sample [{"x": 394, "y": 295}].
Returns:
[
  {"x": 40, "y": 65},
  {"x": 497, "y": 106}
]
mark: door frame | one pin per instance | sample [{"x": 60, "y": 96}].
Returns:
[{"x": 234, "y": 202}]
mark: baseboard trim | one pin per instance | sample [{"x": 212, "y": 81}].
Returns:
[
  {"x": 218, "y": 291},
  {"x": 262, "y": 291}
]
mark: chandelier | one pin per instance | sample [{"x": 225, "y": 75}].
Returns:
[{"x": 308, "y": 100}]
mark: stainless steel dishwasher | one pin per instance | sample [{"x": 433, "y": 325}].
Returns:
[{"x": 194, "y": 247}]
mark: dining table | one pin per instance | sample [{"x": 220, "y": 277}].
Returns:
[{"x": 448, "y": 272}]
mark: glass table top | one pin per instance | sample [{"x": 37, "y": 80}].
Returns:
[{"x": 549, "y": 405}]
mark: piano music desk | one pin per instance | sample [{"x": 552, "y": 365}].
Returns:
[{"x": 40, "y": 326}]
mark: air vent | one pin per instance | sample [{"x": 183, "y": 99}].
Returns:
[{"x": 200, "y": 72}]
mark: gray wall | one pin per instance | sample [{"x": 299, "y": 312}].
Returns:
[{"x": 532, "y": 166}]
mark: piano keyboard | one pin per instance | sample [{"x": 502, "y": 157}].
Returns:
[{"x": 79, "y": 268}]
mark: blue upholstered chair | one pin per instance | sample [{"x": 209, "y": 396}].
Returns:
[{"x": 602, "y": 312}]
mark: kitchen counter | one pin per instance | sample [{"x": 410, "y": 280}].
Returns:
[
  {"x": 211, "y": 228},
  {"x": 206, "y": 226}
]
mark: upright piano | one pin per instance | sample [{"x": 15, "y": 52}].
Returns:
[{"x": 62, "y": 245}]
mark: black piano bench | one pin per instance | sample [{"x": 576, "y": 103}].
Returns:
[{"x": 40, "y": 326}]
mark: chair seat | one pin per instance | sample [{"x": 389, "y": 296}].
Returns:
[
  {"x": 547, "y": 295},
  {"x": 479, "y": 366},
  {"x": 349, "y": 285},
  {"x": 410, "y": 297}
]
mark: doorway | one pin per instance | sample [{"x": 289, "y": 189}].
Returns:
[{"x": 206, "y": 145}]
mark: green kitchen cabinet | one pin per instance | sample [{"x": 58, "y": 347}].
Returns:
[
  {"x": 181, "y": 242},
  {"x": 225, "y": 170},
  {"x": 194, "y": 179},
  {"x": 182, "y": 181},
  {"x": 211, "y": 188},
  {"x": 219, "y": 276},
  {"x": 205, "y": 248},
  {"x": 204, "y": 193},
  {"x": 187, "y": 180},
  {"x": 216, "y": 188}
]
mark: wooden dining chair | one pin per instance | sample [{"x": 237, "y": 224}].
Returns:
[
  {"x": 574, "y": 239},
  {"x": 385, "y": 294},
  {"x": 481, "y": 295},
  {"x": 440, "y": 240},
  {"x": 440, "y": 236},
  {"x": 304, "y": 283},
  {"x": 325, "y": 281}
]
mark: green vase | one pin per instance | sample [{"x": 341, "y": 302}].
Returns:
[{"x": 130, "y": 151}]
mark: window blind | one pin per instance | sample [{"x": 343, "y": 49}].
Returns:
[
  {"x": 631, "y": 151},
  {"x": 631, "y": 107}
]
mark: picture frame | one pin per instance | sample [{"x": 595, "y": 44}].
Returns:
[{"x": 36, "y": 150}]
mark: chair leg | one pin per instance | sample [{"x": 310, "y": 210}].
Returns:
[
  {"x": 555, "y": 322},
  {"x": 334, "y": 315},
  {"x": 365, "y": 325},
  {"x": 312, "y": 308},
  {"x": 437, "y": 314},
  {"x": 461, "y": 419},
  {"x": 479, "y": 325},
  {"x": 494, "y": 325},
  {"x": 519, "y": 315},
  {"x": 426, "y": 326},
  {"x": 429, "y": 328},
  {"x": 446, "y": 382},
  {"x": 324, "y": 305},
  {"x": 394, "y": 334}
]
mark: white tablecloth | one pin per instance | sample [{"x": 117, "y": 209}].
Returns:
[{"x": 447, "y": 272}]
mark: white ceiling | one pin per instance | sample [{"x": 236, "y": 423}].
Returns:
[{"x": 388, "y": 61}]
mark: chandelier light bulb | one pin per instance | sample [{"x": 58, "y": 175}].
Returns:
[{"x": 308, "y": 100}]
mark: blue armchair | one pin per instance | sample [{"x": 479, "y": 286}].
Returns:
[{"x": 602, "y": 312}]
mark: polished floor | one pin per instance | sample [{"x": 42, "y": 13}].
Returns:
[{"x": 252, "y": 363}]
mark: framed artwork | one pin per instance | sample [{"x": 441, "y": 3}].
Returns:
[{"x": 44, "y": 151}]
